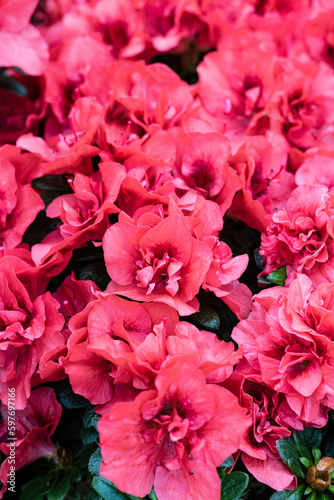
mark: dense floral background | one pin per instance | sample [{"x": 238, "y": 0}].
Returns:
[{"x": 167, "y": 249}]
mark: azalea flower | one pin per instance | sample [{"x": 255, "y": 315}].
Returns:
[
  {"x": 163, "y": 263},
  {"x": 287, "y": 351},
  {"x": 118, "y": 344},
  {"x": 19, "y": 204},
  {"x": 33, "y": 428},
  {"x": 259, "y": 452},
  {"x": 29, "y": 328},
  {"x": 261, "y": 165},
  {"x": 300, "y": 236},
  {"x": 302, "y": 105},
  {"x": 172, "y": 437},
  {"x": 236, "y": 83},
  {"x": 21, "y": 44}
]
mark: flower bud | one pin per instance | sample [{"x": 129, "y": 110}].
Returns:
[
  {"x": 317, "y": 476},
  {"x": 326, "y": 463}
]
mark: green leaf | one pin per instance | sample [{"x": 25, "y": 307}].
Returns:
[
  {"x": 207, "y": 317},
  {"x": 152, "y": 495},
  {"x": 316, "y": 455},
  {"x": 222, "y": 473},
  {"x": 322, "y": 495},
  {"x": 258, "y": 258},
  {"x": 82, "y": 457},
  {"x": 89, "y": 436},
  {"x": 35, "y": 489},
  {"x": 301, "y": 446},
  {"x": 107, "y": 490},
  {"x": 305, "y": 462},
  {"x": 95, "y": 462},
  {"x": 93, "y": 496},
  {"x": 68, "y": 398},
  {"x": 228, "y": 462},
  {"x": 263, "y": 280},
  {"x": 312, "y": 437},
  {"x": 288, "y": 451},
  {"x": 296, "y": 494},
  {"x": 60, "y": 489},
  {"x": 75, "y": 473},
  {"x": 234, "y": 485},
  {"x": 296, "y": 468},
  {"x": 18, "y": 70},
  {"x": 278, "y": 277},
  {"x": 90, "y": 418},
  {"x": 13, "y": 86}
]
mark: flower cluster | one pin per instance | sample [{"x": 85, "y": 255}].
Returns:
[{"x": 108, "y": 152}]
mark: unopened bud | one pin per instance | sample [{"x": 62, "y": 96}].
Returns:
[{"x": 317, "y": 476}]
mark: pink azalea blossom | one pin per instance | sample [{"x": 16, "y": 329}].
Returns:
[
  {"x": 163, "y": 263},
  {"x": 277, "y": 6},
  {"x": 19, "y": 205},
  {"x": 317, "y": 169},
  {"x": 29, "y": 328},
  {"x": 69, "y": 152},
  {"x": 120, "y": 344},
  {"x": 153, "y": 94},
  {"x": 112, "y": 341},
  {"x": 261, "y": 164},
  {"x": 300, "y": 236},
  {"x": 213, "y": 356},
  {"x": 33, "y": 428},
  {"x": 73, "y": 296},
  {"x": 172, "y": 437},
  {"x": 21, "y": 44},
  {"x": 21, "y": 111},
  {"x": 302, "y": 106},
  {"x": 204, "y": 167},
  {"x": 259, "y": 452},
  {"x": 318, "y": 37},
  {"x": 284, "y": 350},
  {"x": 85, "y": 213},
  {"x": 222, "y": 278},
  {"x": 235, "y": 84},
  {"x": 34, "y": 278}
]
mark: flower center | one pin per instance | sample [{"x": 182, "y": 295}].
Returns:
[
  {"x": 202, "y": 174},
  {"x": 158, "y": 274}
]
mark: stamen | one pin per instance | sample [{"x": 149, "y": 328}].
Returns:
[
  {"x": 72, "y": 127},
  {"x": 160, "y": 174},
  {"x": 126, "y": 134},
  {"x": 164, "y": 334},
  {"x": 65, "y": 303}
]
